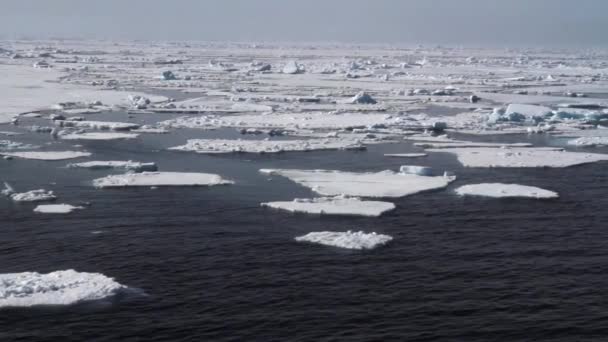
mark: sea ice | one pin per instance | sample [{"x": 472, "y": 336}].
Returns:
[
  {"x": 292, "y": 67},
  {"x": 112, "y": 164},
  {"x": 265, "y": 146},
  {"x": 589, "y": 141},
  {"x": 505, "y": 190},
  {"x": 338, "y": 205},
  {"x": 405, "y": 155},
  {"x": 160, "y": 179},
  {"x": 101, "y": 125},
  {"x": 98, "y": 136},
  {"x": 56, "y": 288},
  {"x": 39, "y": 195},
  {"x": 47, "y": 155},
  {"x": 349, "y": 239},
  {"x": 56, "y": 208},
  {"x": 363, "y": 184}
]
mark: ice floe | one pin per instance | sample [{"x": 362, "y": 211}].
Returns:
[
  {"x": 56, "y": 208},
  {"x": 349, "y": 239},
  {"x": 99, "y": 136},
  {"x": 364, "y": 184},
  {"x": 405, "y": 155},
  {"x": 160, "y": 179},
  {"x": 338, "y": 205},
  {"x": 114, "y": 164},
  {"x": 265, "y": 146},
  {"x": 56, "y": 288},
  {"x": 101, "y": 125},
  {"x": 39, "y": 195},
  {"x": 504, "y": 190},
  {"x": 47, "y": 155},
  {"x": 589, "y": 141}
]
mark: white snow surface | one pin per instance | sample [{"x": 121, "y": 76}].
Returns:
[
  {"x": 338, "y": 205},
  {"x": 160, "y": 179},
  {"x": 56, "y": 208},
  {"x": 521, "y": 157},
  {"x": 47, "y": 155},
  {"x": 349, "y": 239},
  {"x": 265, "y": 146},
  {"x": 499, "y": 190},
  {"x": 56, "y": 288},
  {"x": 363, "y": 184}
]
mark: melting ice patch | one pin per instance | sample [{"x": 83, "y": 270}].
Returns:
[
  {"x": 265, "y": 146},
  {"x": 160, "y": 179},
  {"x": 363, "y": 184},
  {"x": 499, "y": 190},
  {"x": 349, "y": 239},
  {"x": 56, "y": 288},
  {"x": 338, "y": 205}
]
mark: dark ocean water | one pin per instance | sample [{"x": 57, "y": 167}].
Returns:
[{"x": 209, "y": 264}]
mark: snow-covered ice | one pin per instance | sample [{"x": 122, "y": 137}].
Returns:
[
  {"x": 47, "y": 155},
  {"x": 115, "y": 164},
  {"x": 338, "y": 205},
  {"x": 499, "y": 190},
  {"x": 56, "y": 208},
  {"x": 99, "y": 136},
  {"x": 349, "y": 239},
  {"x": 39, "y": 195},
  {"x": 364, "y": 184},
  {"x": 101, "y": 125},
  {"x": 405, "y": 155},
  {"x": 56, "y": 288},
  {"x": 160, "y": 179},
  {"x": 265, "y": 146}
]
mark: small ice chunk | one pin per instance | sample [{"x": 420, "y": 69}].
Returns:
[
  {"x": 99, "y": 136},
  {"x": 405, "y": 155},
  {"x": 292, "y": 67},
  {"x": 499, "y": 190},
  {"x": 349, "y": 239},
  {"x": 362, "y": 98},
  {"x": 160, "y": 179},
  {"x": 56, "y": 208},
  {"x": 338, "y": 205},
  {"x": 113, "y": 164},
  {"x": 39, "y": 195}
]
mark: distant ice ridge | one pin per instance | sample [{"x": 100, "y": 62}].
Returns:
[
  {"x": 350, "y": 240},
  {"x": 113, "y": 164},
  {"x": 160, "y": 179},
  {"x": 56, "y": 288},
  {"x": 363, "y": 184},
  {"x": 499, "y": 190},
  {"x": 265, "y": 146},
  {"x": 56, "y": 208},
  {"x": 47, "y": 155},
  {"x": 338, "y": 205}
]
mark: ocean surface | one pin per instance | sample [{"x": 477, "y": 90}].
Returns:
[{"x": 210, "y": 264}]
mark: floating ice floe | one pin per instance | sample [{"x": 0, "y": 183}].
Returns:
[
  {"x": 99, "y": 136},
  {"x": 56, "y": 208},
  {"x": 56, "y": 288},
  {"x": 521, "y": 157},
  {"x": 13, "y": 145},
  {"x": 113, "y": 164},
  {"x": 589, "y": 141},
  {"x": 265, "y": 146},
  {"x": 160, "y": 179},
  {"x": 101, "y": 125},
  {"x": 47, "y": 155},
  {"x": 459, "y": 143},
  {"x": 339, "y": 205},
  {"x": 348, "y": 239},
  {"x": 363, "y": 184},
  {"x": 405, "y": 155},
  {"x": 39, "y": 195},
  {"x": 499, "y": 190}
]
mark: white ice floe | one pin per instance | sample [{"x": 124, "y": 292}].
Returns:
[
  {"x": 338, "y": 205},
  {"x": 39, "y": 195},
  {"x": 405, "y": 155},
  {"x": 348, "y": 239},
  {"x": 56, "y": 208},
  {"x": 47, "y": 155},
  {"x": 589, "y": 141},
  {"x": 504, "y": 190},
  {"x": 14, "y": 145},
  {"x": 458, "y": 143},
  {"x": 101, "y": 125},
  {"x": 363, "y": 184},
  {"x": 114, "y": 164},
  {"x": 292, "y": 67},
  {"x": 521, "y": 157},
  {"x": 99, "y": 136},
  {"x": 160, "y": 179},
  {"x": 265, "y": 146},
  {"x": 56, "y": 288}
]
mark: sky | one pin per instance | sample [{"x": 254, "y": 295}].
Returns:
[{"x": 449, "y": 22}]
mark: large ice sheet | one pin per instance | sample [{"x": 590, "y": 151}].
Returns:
[
  {"x": 47, "y": 155},
  {"x": 265, "y": 146},
  {"x": 499, "y": 190},
  {"x": 521, "y": 157},
  {"x": 160, "y": 179},
  {"x": 338, "y": 205},
  {"x": 56, "y": 288},
  {"x": 363, "y": 184},
  {"x": 348, "y": 239}
]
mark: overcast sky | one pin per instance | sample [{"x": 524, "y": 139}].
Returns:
[{"x": 452, "y": 22}]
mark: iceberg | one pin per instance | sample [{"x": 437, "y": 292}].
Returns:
[
  {"x": 160, "y": 179},
  {"x": 349, "y": 239},
  {"x": 499, "y": 190},
  {"x": 362, "y": 184},
  {"x": 56, "y": 288},
  {"x": 338, "y": 205}
]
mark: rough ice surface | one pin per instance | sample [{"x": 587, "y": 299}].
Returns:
[
  {"x": 114, "y": 164},
  {"x": 349, "y": 239},
  {"x": 99, "y": 136},
  {"x": 56, "y": 208},
  {"x": 56, "y": 288},
  {"x": 338, "y": 205},
  {"x": 362, "y": 184},
  {"x": 265, "y": 146},
  {"x": 160, "y": 179},
  {"x": 39, "y": 195},
  {"x": 521, "y": 157},
  {"x": 47, "y": 155},
  {"x": 499, "y": 190}
]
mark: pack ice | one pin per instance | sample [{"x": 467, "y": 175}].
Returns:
[
  {"x": 160, "y": 179},
  {"x": 265, "y": 146},
  {"x": 499, "y": 190},
  {"x": 338, "y": 205},
  {"x": 349, "y": 239},
  {"x": 56, "y": 288}
]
